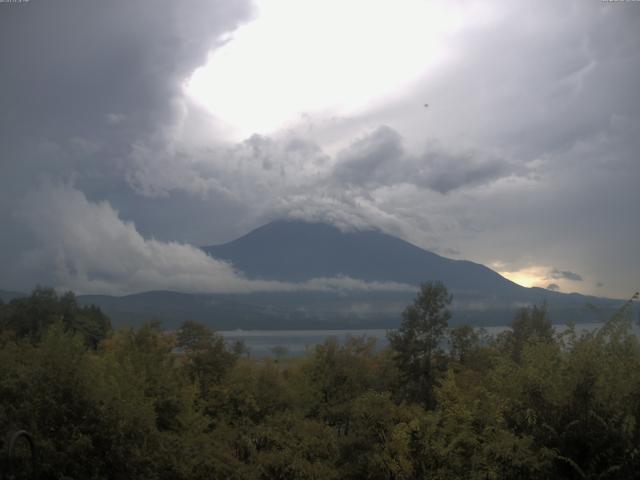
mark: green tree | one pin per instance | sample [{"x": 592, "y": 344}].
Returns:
[
  {"x": 338, "y": 373},
  {"x": 417, "y": 341},
  {"x": 529, "y": 323},
  {"x": 30, "y": 316},
  {"x": 208, "y": 356},
  {"x": 377, "y": 445},
  {"x": 463, "y": 342}
]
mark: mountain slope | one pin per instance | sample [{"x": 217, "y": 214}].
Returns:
[{"x": 296, "y": 251}]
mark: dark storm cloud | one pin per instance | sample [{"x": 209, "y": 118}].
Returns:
[
  {"x": 527, "y": 154},
  {"x": 554, "y": 287},
  {"x": 447, "y": 172},
  {"x": 91, "y": 67},
  {"x": 379, "y": 158},
  {"x": 363, "y": 161},
  {"x": 565, "y": 274},
  {"x": 82, "y": 82}
]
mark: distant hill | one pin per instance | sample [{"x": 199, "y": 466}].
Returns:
[
  {"x": 259, "y": 311},
  {"x": 303, "y": 311}
]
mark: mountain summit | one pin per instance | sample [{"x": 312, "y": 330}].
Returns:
[{"x": 296, "y": 251}]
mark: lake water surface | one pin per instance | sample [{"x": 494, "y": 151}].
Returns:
[{"x": 296, "y": 342}]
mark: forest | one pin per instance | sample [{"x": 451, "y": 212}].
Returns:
[{"x": 531, "y": 403}]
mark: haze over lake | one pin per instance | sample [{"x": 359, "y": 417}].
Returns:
[{"x": 261, "y": 343}]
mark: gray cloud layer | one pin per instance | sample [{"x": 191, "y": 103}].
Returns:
[
  {"x": 88, "y": 248},
  {"x": 528, "y": 153},
  {"x": 564, "y": 274}
]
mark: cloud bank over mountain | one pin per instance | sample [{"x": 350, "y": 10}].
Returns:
[
  {"x": 526, "y": 155},
  {"x": 88, "y": 248}
]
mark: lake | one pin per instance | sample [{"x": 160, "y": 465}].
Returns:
[{"x": 262, "y": 342}]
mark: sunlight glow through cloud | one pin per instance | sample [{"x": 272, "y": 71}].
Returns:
[
  {"x": 324, "y": 58},
  {"x": 527, "y": 277},
  {"x": 536, "y": 276}
]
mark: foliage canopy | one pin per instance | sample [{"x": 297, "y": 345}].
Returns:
[{"x": 148, "y": 404}]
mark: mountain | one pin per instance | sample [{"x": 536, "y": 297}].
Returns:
[{"x": 295, "y": 251}]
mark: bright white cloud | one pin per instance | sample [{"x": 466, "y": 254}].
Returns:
[
  {"x": 326, "y": 58},
  {"x": 88, "y": 248}
]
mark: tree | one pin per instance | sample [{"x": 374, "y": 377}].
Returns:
[
  {"x": 337, "y": 373},
  {"x": 463, "y": 341},
  {"x": 30, "y": 316},
  {"x": 529, "y": 323},
  {"x": 417, "y": 341},
  {"x": 208, "y": 357},
  {"x": 377, "y": 445}
]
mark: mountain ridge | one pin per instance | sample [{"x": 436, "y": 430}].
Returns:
[{"x": 294, "y": 251}]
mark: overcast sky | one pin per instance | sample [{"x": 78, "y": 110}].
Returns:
[{"x": 134, "y": 131}]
